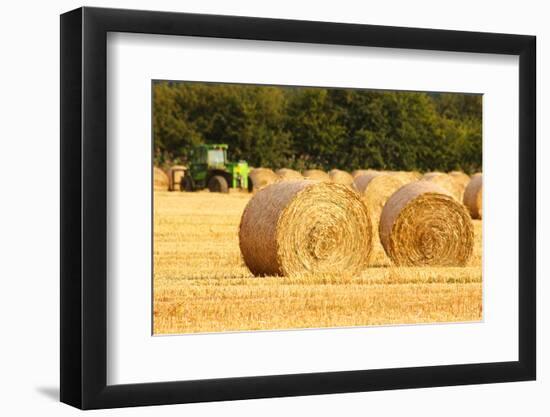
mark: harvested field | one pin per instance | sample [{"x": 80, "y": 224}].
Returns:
[{"x": 202, "y": 285}]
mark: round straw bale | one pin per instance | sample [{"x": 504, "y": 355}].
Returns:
[
  {"x": 407, "y": 176},
  {"x": 461, "y": 179},
  {"x": 302, "y": 227},
  {"x": 175, "y": 174},
  {"x": 288, "y": 174},
  {"x": 358, "y": 172},
  {"x": 160, "y": 180},
  {"x": 375, "y": 189},
  {"x": 423, "y": 225},
  {"x": 341, "y": 177},
  {"x": 446, "y": 182},
  {"x": 260, "y": 177},
  {"x": 473, "y": 196},
  {"x": 316, "y": 174}
]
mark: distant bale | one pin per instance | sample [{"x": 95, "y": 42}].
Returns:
[
  {"x": 261, "y": 177},
  {"x": 446, "y": 182},
  {"x": 316, "y": 174},
  {"x": 175, "y": 174},
  {"x": 423, "y": 225},
  {"x": 288, "y": 174},
  {"x": 461, "y": 179},
  {"x": 358, "y": 172},
  {"x": 338, "y": 176},
  {"x": 473, "y": 196},
  {"x": 407, "y": 176},
  {"x": 160, "y": 180},
  {"x": 301, "y": 227},
  {"x": 376, "y": 188}
]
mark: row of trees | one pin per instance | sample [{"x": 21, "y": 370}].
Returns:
[{"x": 319, "y": 127}]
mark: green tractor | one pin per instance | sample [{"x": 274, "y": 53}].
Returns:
[{"x": 209, "y": 168}]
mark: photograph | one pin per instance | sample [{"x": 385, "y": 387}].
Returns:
[{"x": 282, "y": 207}]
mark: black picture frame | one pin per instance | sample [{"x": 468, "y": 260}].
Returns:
[{"x": 84, "y": 207}]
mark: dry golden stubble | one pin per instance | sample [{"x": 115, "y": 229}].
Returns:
[
  {"x": 473, "y": 196},
  {"x": 160, "y": 179},
  {"x": 316, "y": 174},
  {"x": 304, "y": 227},
  {"x": 423, "y": 225}
]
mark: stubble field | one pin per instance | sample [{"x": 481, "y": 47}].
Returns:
[{"x": 201, "y": 284}]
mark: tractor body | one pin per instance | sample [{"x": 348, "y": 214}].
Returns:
[{"x": 209, "y": 168}]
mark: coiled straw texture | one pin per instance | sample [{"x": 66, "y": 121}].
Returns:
[
  {"x": 473, "y": 196},
  {"x": 302, "y": 227},
  {"x": 423, "y": 225}
]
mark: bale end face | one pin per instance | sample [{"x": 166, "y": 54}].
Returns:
[{"x": 423, "y": 225}]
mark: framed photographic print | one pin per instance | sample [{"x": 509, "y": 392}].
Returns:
[{"x": 256, "y": 208}]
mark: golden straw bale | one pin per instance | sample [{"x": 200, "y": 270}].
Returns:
[
  {"x": 160, "y": 180},
  {"x": 423, "y": 225},
  {"x": 358, "y": 172},
  {"x": 473, "y": 196},
  {"x": 303, "y": 227},
  {"x": 260, "y": 177},
  {"x": 288, "y": 174},
  {"x": 461, "y": 179},
  {"x": 407, "y": 176},
  {"x": 175, "y": 174},
  {"x": 316, "y": 174},
  {"x": 446, "y": 182},
  {"x": 375, "y": 189},
  {"x": 341, "y": 177}
]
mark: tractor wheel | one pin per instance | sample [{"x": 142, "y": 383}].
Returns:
[
  {"x": 218, "y": 184},
  {"x": 186, "y": 184}
]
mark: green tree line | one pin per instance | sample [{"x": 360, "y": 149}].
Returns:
[{"x": 303, "y": 127}]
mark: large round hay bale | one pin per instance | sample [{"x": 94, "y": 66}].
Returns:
[
  {"x": 288, "y": 174},
  {"x": 338, "y": 176},
  {"x": 316, "y": 174},
  {"x": 423, "y": 225},
  {"x": 160, "y": 180},
  {"x": 302, "y": 227},
  {"x": 446, "y": 182},
  {"x": 473, "y": 196},
  {"x": 175, "y": 174},
  {"x": 261, "y": 177}
]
